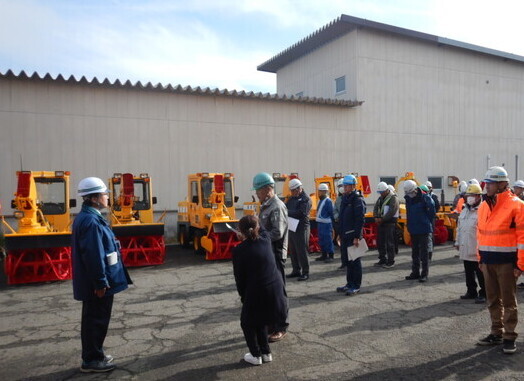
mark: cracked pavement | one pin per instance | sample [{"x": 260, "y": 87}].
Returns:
[{"x": 181, "y": 322}]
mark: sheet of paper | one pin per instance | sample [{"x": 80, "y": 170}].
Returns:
[
  {"x": 356, "y": 252},
  {"x": 386, "y": 210},
  {"x": 292, "y": 224}
]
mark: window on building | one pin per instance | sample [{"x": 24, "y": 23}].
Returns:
[
  {"x": 436, "y": 181},
  {"x": 301, "y": 94},
  {"x": 390, "y": 180},
  {"x": 340, "y": 84}
]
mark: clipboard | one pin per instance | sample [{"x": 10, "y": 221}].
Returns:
[
  {"x": 357, "y": 252},
  {"x": 292, "y": 224}
]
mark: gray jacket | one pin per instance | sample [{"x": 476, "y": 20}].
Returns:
[
  {"x": 389, "y": 214},
  {"x": 273, "y": 217}
]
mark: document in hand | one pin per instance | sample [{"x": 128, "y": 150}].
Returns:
[
  {"x": 356, "y": 252},
  {"x": 292, "y": 224}
]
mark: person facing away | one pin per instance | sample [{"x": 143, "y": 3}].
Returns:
[
  {"x": 324, "y": 222},
  {"x": 466, "y": 244},
  {"x": 352, "y": 212},
  {"x": 98, "y": 273},
  {"x": 273, "y": 218},
  {"x": 386, "y": 212},
  {"x": 420, "y": 212},
  {"x": 500, "y": 238},
  {"x": 260, "y": 286},
  {"x": 298, "y": 207}
]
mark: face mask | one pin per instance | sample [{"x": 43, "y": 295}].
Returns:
[
  {"x": 412, "y": 194},
  {"x": 471, "y": 200}
]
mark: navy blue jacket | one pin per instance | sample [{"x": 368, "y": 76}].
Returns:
[
  {"x": 93, "y": 240},
  {"x": 298, "y": 207},
  {"x": 259, "y": 283},
  {"x": 351, "y": 218},
  {"x": 420, "y": 212}
]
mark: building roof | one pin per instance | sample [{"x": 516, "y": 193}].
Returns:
[
  {"x": 345, "y": 24},
  {"x": 178, "y": 89}
]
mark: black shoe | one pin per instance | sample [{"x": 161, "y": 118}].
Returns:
[
  {"x": 480, "y": 300},
  {"x": 423, "y": 279},
  {"x": 412, "y": 277},
  {"x": 293, "y": 275},
  {"x": 303, "y": 277},
  {"x": 379, "y": 264},
  {"x": 388, "y": 266},
  {"x": 509, "y": 347},
  {"x": 97, "y": 367},
  {"x": 490, "y": 340},
  {"x": 321, "y": 258},
  {"x": 343, "y": 288},
  {"x": 468, "y": 296}
]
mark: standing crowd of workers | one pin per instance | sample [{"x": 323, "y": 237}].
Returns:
[{"x": 490, "y": 241}]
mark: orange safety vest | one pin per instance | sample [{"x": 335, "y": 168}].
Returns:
[
  {"x": 500, "y": 231},
  {"x": 460, "y": 206}
]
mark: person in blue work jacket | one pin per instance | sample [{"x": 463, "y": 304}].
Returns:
[
  {"x": 98, "y": 273},
  {"x": 420, "y": 211},
  {"x": 324, "y": 221},
  {"x": 351, "y": 223}
]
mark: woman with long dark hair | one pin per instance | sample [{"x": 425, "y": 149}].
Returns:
[{"x": 260, "y": 287}]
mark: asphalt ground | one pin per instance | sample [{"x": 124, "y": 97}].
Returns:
[{"x": 181, "y": 322}]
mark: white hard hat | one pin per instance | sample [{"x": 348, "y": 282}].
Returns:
[
  {"x": 409, "y": 186},
  {"x": 473, "y": 181},
  {"x": 91, "y": 185},
  {"x": 519, "y": 184},
  {"x": 294, "y": 184},
  {"x": 463, "y": 186},
  {"x": 391, "y": 188},
  {"x": 340, "y": 183},
  {"x": 495, "y": 175},
  {"x": 428, "y": 184},
  {"x": 382, "y": 187},
  {"x": 323, "y": 187}
]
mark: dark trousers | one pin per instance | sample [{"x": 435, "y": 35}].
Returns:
[
  {"x": 353, "y": 269},
  {"x": 96, "y": 314},
  {"x": 386, "y": 236},
  {"x": 471, "y": 268},
  {"x": 256, "y": 339},
  {"x": 298, "y": 249},
  {"x": 282, "y": 326},
  {"x": 419, "y": 254}
]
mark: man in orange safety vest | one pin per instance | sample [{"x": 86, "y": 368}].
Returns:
[{"x": 501, "y": 256}]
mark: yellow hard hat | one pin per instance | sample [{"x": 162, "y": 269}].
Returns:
[{"x": 474, "y": 189}]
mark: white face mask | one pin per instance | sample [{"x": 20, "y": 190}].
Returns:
[
  {"x": 471, "y": 200},
  {"x": 412, "y": 194}
]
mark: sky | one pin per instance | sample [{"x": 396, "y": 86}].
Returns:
[{"x": 217, "y": 43}]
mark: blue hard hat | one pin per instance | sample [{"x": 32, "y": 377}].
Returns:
[
  {"x": 261, "y": 180},
  {"x": 349, "y": 180}
]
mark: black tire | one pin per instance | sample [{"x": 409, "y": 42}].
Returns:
[
  {"x": 197, "y": 246},
  {"x": 183, "y": 236}
]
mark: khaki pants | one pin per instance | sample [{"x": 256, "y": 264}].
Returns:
[{"x": 501, "y": 289}]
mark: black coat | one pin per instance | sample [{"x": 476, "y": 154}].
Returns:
[{"x": 259, "y": 283}]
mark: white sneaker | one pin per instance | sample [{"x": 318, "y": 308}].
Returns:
[
  {"x": 248, "y": 357},
  {"x": 267, "y": 358}
]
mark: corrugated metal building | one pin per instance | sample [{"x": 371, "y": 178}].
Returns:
[{"x": 430, "y": 105}]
